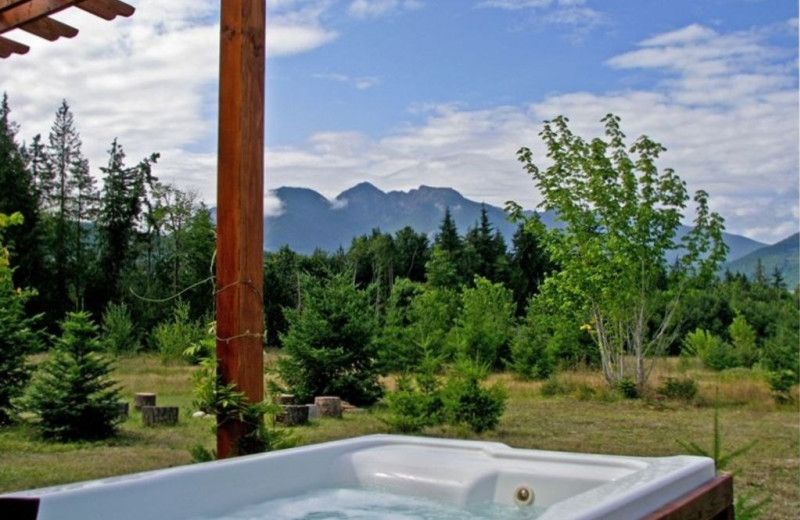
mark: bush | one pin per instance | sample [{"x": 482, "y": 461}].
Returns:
[
  {"x": 674, "y": 388},
  {"x": 330, "y": 346},
  {"x": 781, "y": 384},
  {"x": 743, "y": 338},
  {"x": 484, "y": 327},
  {"x": 119, "y": 335},
  {"x": 172, "y": 338},
  {"x": 553, "y": 387},
  {"x": 627, "y": 388},
  {"x": 413, "y": 408},
  {"x": 72, "y": 392},
  {"x": 530, "y": 357},
  {"x": 712, "y": 351},
  {"x": 467, "y": 402}
]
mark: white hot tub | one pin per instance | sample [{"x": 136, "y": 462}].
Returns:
[{"x": 412, "y": 477}]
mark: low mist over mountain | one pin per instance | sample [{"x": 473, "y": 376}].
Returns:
[{"x": 307, "y": 220}]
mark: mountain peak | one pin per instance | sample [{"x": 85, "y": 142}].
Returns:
[{"x": 362, "y": 189}]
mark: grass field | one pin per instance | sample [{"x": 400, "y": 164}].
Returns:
[{"x": 587, "y": 418}]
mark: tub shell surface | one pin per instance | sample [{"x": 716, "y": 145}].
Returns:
[{"x": 570, "y": 486}]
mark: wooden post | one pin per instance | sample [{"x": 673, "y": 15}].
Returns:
[{"x": 240, "y": 199}]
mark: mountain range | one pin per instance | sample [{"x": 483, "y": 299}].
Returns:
[
  {"x": 307, "y": 220},
  {"x": 782, "y": 255}
]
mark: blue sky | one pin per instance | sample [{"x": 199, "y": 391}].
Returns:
[{"x": 443, "y": 92}]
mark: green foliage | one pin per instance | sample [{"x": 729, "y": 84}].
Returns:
[
  {"x": 466, "y": 401},
  {"x": 627, "y": 388},
  {"x": 712, "y": 351},
  {"x": 484, "y": 326},
  {"x": 748, "y": 508},
  {"x": 721, "y": 460},
  {"x": 172, "y": 338},
  {"x": 224, "y": 401},
  {"x": 458, "y": 398},
  {"x": 119, "y": 333},
  {"x": 781, "y": 384},
  {"x": 413, "y": 407},
  {"x": 330, "y": 346},
  {"x": 684, "y": 389},
  {"x": 620, "y": 217},
  {"x": 72, "y": 393},
  {"x": 530, "y": 357},
  {"x": 743, "y": 338},
  {"x": 18, "y": 335},
  {"x": 398, "y": 349}
]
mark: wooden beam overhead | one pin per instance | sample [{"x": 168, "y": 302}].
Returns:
[
  {"x": 7, "y": 4},
  {"x": 9, "y": 47},
  {"x": 106, "y": 9},
  {"x": 49, "y": 29},
  {"x": 33, "y": 16},
  {"x": 30, "y": 11}
]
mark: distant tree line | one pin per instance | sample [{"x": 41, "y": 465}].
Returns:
[{"x": 136, "y": 256}]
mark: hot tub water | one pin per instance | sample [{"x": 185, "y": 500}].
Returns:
[{"x": 365, "y": 504}]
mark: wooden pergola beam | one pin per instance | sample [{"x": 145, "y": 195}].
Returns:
[
  {"x": 33, "y": 16},
  {"x": 9, "y": 47},
  {"x": 24, "y": 13},
  {"x": 106, "y": 9},
  {"x": 240, "y": 214},
  {"x": 49, "y": 29}
]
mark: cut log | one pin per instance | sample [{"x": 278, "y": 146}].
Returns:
[
  {"x": 285, "y": 399},
  {"x": 143, "y": 399},
  {"x": 293, "y": 415},
  {"x": 158, "y": 415},
  {"x": 328, "y": 406}
]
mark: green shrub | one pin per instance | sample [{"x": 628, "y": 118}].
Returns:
[
  {"x": 627, "y": 388},
  {"x": 553, "y": 387},
  {"x": 674, "y": 388},
  {"x": 781, "y": 384},
  {"x": 712, "y": 351},
  {"x": 484, "y": 327},
  {"x": 330, "y": 346},
  {"x": 172, "y": 338},
  {"x": 72, "y": 392},
  {"x": 467, "y": 402},
  {"x": 530, "y": 357},
  {"x": 743, "y": 339},
  {"x": 413, "y": 408},
  {"x": 119, "y": 334}
]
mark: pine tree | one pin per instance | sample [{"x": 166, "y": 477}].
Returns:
[
  {"x": 18, "y": 194},
  {"x": 330, "y": 346},
  {"x": 124, "y": 195},
  {"x": 17, "y": 332},
  {"x": 73, "y": 394}
]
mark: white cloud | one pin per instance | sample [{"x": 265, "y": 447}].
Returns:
[
  {"x": 149, "y": 80},
  {"x": 360, "y": 83},
  {"x": 737, "y": 138},
  {"x": 573, "y": 15},
  {"x": 364, "y": 9}
]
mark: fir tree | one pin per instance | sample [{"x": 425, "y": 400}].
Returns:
[
  {"x": 73, "y": 394},
  {"x": 17, "y": 334},
  {"x": 18, "y": 194}
]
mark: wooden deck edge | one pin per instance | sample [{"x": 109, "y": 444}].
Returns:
[{"x": 711, "y": 501}]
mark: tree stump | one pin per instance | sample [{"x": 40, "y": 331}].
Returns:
[
  {"x": 293, "y": 415},
  {"x": 285, "y": 399},
  {"x": 156, "y": 415},
  {"x": 328, "y": 406},
  {"x": 143, "y": 399},
  {"x": 122, "y": 409}
]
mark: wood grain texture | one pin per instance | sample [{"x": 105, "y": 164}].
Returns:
[
  {"x": 240, "y": 199},
  {"x": 711, "y": 501}
]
